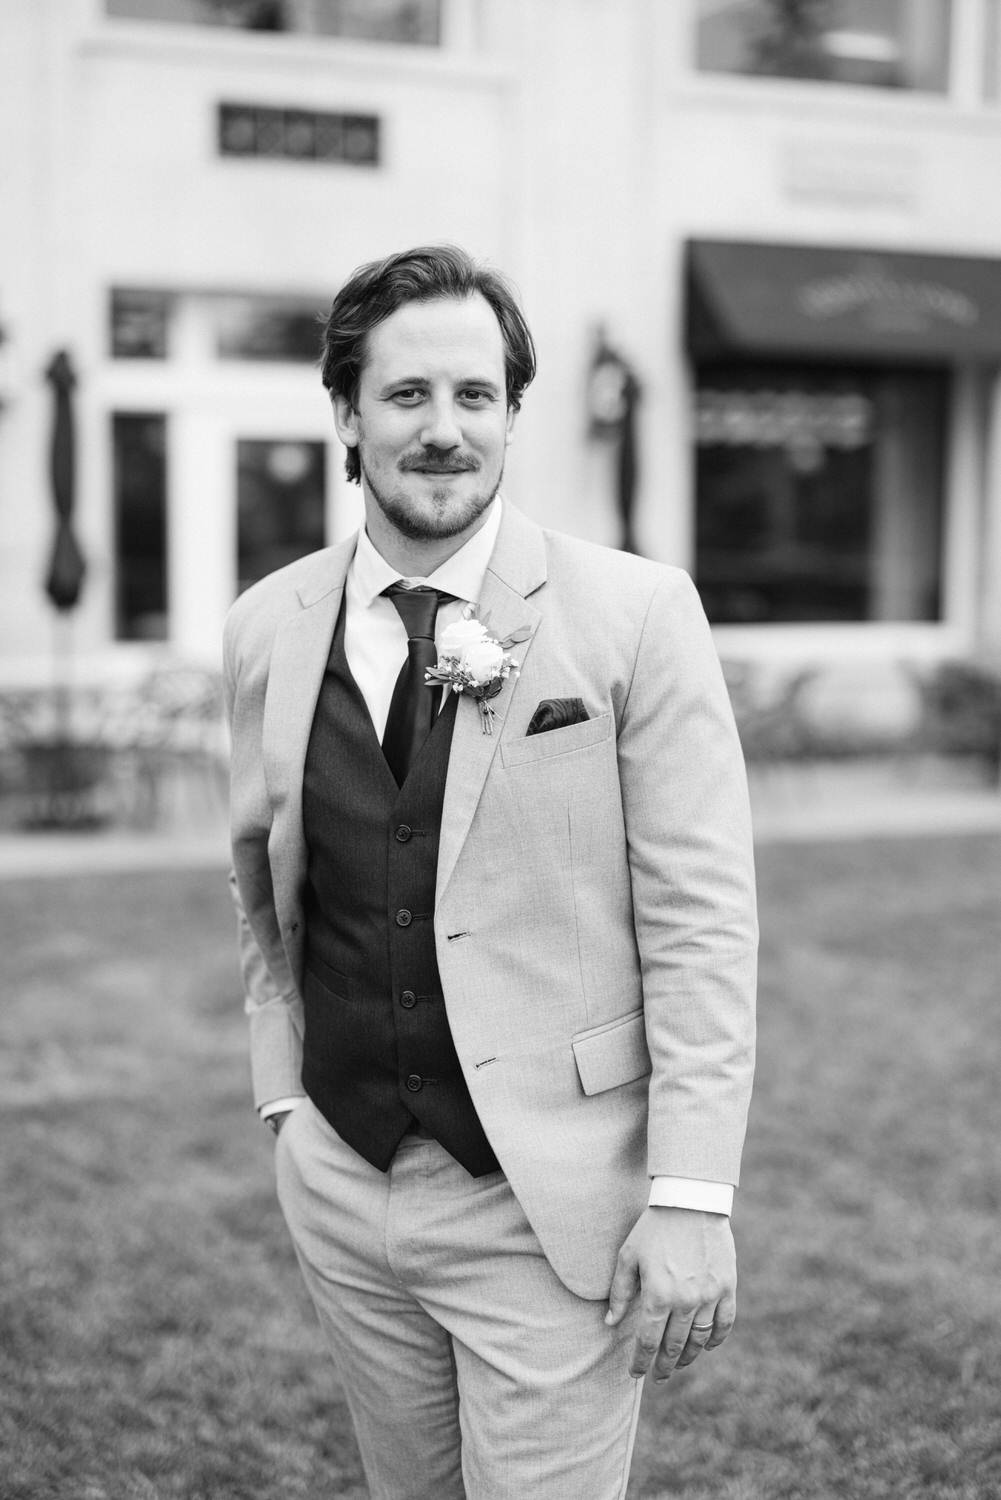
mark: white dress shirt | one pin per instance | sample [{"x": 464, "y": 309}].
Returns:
[{"x": 375, "y": 644}]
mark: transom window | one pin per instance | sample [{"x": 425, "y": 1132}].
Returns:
[{"x": 244, "y": 326}]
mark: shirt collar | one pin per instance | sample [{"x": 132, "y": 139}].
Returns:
[{"x": 461, "y": 574}]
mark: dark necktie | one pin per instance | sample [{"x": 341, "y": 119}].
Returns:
[{"x": 412, "y": 711}]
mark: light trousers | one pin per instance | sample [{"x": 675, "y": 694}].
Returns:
[{"x": 470, "y": 1370}]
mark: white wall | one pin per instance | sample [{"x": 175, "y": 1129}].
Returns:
[{"x": 566, "y": 141}]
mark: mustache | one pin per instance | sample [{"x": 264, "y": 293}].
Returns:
[{"x": 438, "y": 458}]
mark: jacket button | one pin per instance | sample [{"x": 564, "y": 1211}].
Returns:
[
  {"x": 403, "y": 833},
  {"x": 415, "y": 1082},
  {"x": 404, "y": 917},
  {"x": 408, "y": 999}
]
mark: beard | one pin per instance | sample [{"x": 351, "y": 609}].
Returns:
[{"x": 435, "y": 516}]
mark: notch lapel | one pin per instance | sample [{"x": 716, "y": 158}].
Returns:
[{"x": 517, "y": 568}]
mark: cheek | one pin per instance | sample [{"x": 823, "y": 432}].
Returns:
[
  {"x": 493, "y": 439},
  {"x": 385, "y": 439}
]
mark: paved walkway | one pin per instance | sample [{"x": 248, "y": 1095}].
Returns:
[
  {"x": 878, "y": 815},
  {"x": 817, "y": 817},
  {"x": 37, "y": 854}
]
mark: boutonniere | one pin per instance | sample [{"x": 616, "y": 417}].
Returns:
[{"x": 472, "y": 660}]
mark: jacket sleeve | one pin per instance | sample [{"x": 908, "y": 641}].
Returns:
[
  {"x": 272, "y": 1002},
  {"x": 691, "y": 868}
]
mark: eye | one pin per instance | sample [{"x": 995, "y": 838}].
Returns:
[
  {"x": 408, "y": 396},
  {"x": 475, "y": 397}
]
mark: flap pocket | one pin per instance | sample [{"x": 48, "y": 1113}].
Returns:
[
  {"x": 613, "y": 1054},
  {"x": 556, "y": 741}
]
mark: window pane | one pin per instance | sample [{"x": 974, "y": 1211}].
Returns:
[
  {"x": 243, "y": 15},
  {"x": 901, "y": 44},
  {"x": 280, "y": 504},
  {"x": 139, "y": 468},
  {"x": 818, "y": 494},
  {"x": 409, "y": 22},
  {"x": 140, "y": 324},
  {"x": 267, "y": 328}
]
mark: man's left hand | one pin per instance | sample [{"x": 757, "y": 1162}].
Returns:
[{"x": 683, "y": 1264}]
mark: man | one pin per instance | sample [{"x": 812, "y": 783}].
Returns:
[{"x": 499, "y": 950}]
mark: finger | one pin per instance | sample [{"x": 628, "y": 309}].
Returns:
[
  {"x": 701, "y": 1331},
  {"x": 726, "y": 1312},
  {"x": 624, "y": 1286},
  {"x": 648, "y": 1341},
  {"x": 673, "y": 1343}
]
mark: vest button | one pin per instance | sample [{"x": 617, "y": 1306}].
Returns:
[
  {"x": 404, "y": 917},
  {"x": 408, "y": 999},
  {"x": 415, "y": 1082},
  {"x": 403, "y": 833}
]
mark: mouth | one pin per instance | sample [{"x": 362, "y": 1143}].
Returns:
[{"x": 439, "y": 473}]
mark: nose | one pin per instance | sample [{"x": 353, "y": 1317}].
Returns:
[{"x": 441, "y": 427}]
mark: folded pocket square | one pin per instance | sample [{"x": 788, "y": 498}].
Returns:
[{"x": 557, "y": 713}]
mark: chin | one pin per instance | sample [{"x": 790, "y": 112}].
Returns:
[{"x": 433, "y": 516}]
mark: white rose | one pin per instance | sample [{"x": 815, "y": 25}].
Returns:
[
  {"x": 483, "y": 660},
  {"x": 455, "y": 638}
]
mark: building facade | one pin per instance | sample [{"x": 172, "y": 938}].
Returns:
[{"x": 759, "y": 246}]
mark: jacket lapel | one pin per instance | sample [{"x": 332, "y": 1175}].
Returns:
[{"x": 517, "y": 568}]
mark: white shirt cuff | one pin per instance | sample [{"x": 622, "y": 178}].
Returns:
[
  {"x": 280, "y": 1106},
  {"x": 687, "y": 1192}
]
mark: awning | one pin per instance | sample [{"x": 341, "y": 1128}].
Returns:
[{"x": 831, "y": 303}]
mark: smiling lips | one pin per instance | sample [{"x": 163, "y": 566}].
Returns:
[{"x": 432, "y": 469}]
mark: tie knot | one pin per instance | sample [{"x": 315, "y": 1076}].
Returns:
[{"x": 417, "y": 608}]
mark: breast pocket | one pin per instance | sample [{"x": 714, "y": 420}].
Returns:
[{"x": 555, "y": 742}]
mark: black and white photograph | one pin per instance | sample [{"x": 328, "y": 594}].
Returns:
[{"x": 500, "y": 749}]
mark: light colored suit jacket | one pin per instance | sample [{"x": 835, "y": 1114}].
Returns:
[{"x": 594, "y": 924}]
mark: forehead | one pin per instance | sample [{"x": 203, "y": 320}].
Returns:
[{"x": 455, "y": 337}]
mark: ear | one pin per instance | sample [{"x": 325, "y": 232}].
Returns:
[
  {"x": 509, "y": 434},
  {"x": 345, "y": 420}
]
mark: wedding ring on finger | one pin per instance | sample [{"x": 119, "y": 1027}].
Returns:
[{"x": 701, "y": 1328}]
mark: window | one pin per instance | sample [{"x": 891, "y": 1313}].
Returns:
[
  {"x": 139, "y": 469},
  {"x": 281, "y": 485},
  {"x": 248, "y": 326},
  {"x": 267, "y": 328},
  {"x": 818, "y": 493},
  {"x": 139, "y": 324},
  {"x": 409, "y": 22},
  {"x": 893, "y": 44}
]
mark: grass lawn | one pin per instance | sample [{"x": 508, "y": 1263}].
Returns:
[{"x": 155, "y": 1343}]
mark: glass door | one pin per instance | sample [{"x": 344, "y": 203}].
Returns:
[
  {"x": 281, "y": 503},
  {"x": 256, "y": 483}
]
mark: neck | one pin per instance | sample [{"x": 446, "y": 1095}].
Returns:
[{"x": 415, "y": 558}]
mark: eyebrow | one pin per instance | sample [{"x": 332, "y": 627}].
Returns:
[{"x": 483, "y": 381}]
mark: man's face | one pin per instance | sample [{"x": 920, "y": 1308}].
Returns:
[{"x": 431, "y": 420}]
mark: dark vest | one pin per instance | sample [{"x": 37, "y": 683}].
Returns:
[{"x": 378, "y": 1053}]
